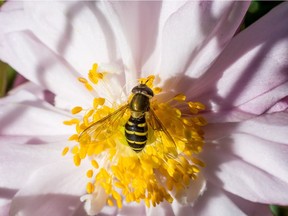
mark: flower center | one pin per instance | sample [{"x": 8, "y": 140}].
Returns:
[{"x": 146, "y": 154}]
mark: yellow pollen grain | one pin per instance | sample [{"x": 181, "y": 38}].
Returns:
[
  {"x": 89, "y": 173},
  {"x": 90, "y": 188},
  {"x": 88, "y": 87},
  {"x": 82, "y": 80},
  {"x": 92, "y": 77},
  {"x": 75, "y": 150},
  {"x": 90, "y": 113},
  {"x": 95, "y": 67},
  {"x": 196, "y": 105},
  {"x": 100, "y": 75},
  {"x": 198, "y": 162},
  {"x": 82, "y": 153},
  {"x": 157, "y": 90},
  {"x": 110, "y": 202},
  {"x": 116, "y": 195},
  {"x": 95, "y": 164},
  {"x": 180, "y": 97},
  {"x": 73, "y": 137},
  {"x": 65, "y": 150},
  {"x": 71, "y": 122},
  {"x": 199, "y": 120},
  {"x": 76, "y": 110},
  {"x": 77, "y": 160},
  {"x": 98, "y": 102}
]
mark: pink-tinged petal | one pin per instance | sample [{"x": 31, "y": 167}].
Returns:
[
  {"x": 19, "y": 79},
  {"x": 243, "y": 178},
  {"x": 12, "y": 17},
  {"x": 241, "y": 154},
  {"x": 163, "y": 208},
  {"x": 191, "y": 193},
  {"x": 250, "y": 208},
  {"x": 229, "y": 115},
  {"x": 29, "y": 87},
  {"x": 213, "y": 200},
  {"x": 252, "y": 70},
  {"x": 271, "y": 127},
  {"x": 37, "y": 63},
  {"x": 281, "y": 105},
  {"x": 138, "y": 26},
  {"x": 78, "y": 31},
  {"x": 33, "y": 119},
  {"x": 29, "y": 95},
  {"x": 12, "y": 6},
  {"x": 224, "y": 204},
  {"x": 193, "y": 37},
  {"x": 131, "y": 209},
  {"x": 95, "y": 202},
  {"x": 22, "y": 160},
  {"x": 51, "y": 190},
  {"x": 4, "y": 209}
]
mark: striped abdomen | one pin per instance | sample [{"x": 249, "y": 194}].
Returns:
[{"x": 136, "y": 133}]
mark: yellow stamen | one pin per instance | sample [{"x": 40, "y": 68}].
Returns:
[
  {"x": 163, "y": 168},
  {"x": 95, "y": 164},
  {"x": 73, "y": 137},
  {"x": 89, "y": 87},
  {"x": 90, "y": 188},
  {"x": 98, "y": 102},
  {"x": 71, "y": 122},
  {"x": 82, "y": 80},
  {"x": 77, "y": 160},
  {"x": 180, "y": 97},
  {"x": 65, "y": 150},
  {"x": 89, "y": 173},
  {"x": 76, "y": 110},
  {"x": 110, "y": 202}
]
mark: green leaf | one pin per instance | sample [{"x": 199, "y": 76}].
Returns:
[
  {"x": 7, "y": 76},
  {"x": 279, "y": 210}
]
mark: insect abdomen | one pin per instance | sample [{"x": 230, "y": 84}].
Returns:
[{"x": 136, "y": 133}]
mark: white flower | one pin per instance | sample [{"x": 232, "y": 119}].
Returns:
[{"x": 189, "y": 47}]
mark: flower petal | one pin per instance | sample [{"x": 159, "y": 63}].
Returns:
[
  {"x": 270, "y": 127},
  {"x": 4, "y": 209},
  {"x": 32, "y": 119},
  {"x": 78, "y": 31},
  {"x": 244, "y": 179},
  {"x": 131, "y": 209},
  {"x": 38, "y": 64},
  {"x": 52, "y": 190},
  {"x": 192, "y": 192},
  {"x": 9, "y": 10},
  {"x": 163, "y": 208},
  {"x": 281, "y": 105},
  {"x": 138, "y": 25},
  {"x": 252, "y": 70},
  {"x": 24, "y": 159},
  {"x": 217, "y": 200},
  {"x": 250, "y": 158},
  {"x": 194, "y": 35}
]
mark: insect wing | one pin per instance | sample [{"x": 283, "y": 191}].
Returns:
[
  {"x": 103, "y": 128},
  {"x": 164, "y": 142}
]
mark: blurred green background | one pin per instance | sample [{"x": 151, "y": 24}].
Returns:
[{"x": 256, "y": 10}]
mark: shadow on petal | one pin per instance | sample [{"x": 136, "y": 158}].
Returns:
[{"x": 49, "y": 204}]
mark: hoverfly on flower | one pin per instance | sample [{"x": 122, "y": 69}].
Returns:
[
  {"x": 136, "y": 127},
  {"x": 143, "y": 138}
]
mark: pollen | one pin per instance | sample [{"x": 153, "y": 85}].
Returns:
[
  {"x": 162, "y": 169},
  {"x": 65, "y": 150},
  {"x": 76, "y": 110}
]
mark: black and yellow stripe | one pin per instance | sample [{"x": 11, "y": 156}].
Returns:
[{"x": 136, "y": 133}]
